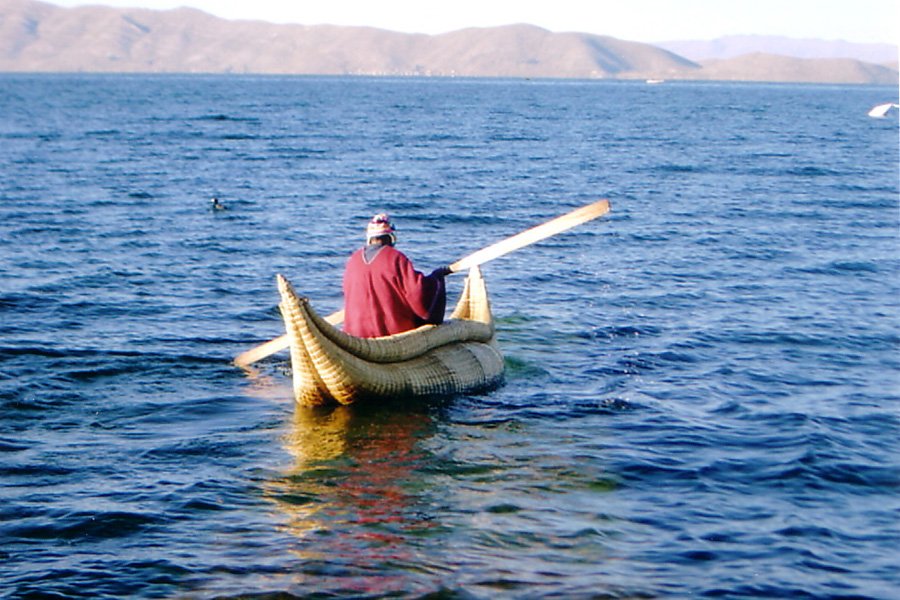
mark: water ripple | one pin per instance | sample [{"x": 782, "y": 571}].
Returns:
[{"x": 700, "y": 386}]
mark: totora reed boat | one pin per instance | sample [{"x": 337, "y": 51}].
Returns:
[{"x": 458, "y": 356}]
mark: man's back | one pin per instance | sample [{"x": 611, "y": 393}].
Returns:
[{"x": 384, "y": 294}]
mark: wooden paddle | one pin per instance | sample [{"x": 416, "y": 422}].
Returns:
[{"x": 496, "y": 250}]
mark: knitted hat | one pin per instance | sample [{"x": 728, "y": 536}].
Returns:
[{"x": 381, "y": 225}]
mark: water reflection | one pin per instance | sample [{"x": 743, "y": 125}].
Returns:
[
  {"x": 268, "y": 384},
  {"x": 356, "y": 496}
]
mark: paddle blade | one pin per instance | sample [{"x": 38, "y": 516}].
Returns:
[
  {"x": 533, "y": 235},
  {"x": 280, "y": 343},
  {"x": 263, "y": 350}
]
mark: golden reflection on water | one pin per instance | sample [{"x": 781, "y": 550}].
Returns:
[
  {"x": 264, "y": 384},
  {"x": 354, "y": 495}
]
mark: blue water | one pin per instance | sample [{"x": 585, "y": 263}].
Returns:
[{"x": 702, "y": 388}]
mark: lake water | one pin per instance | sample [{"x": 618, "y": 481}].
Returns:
[{"x": 703, "y": 388}]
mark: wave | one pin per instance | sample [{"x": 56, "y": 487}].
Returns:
[{"x": 701, "y": 387}]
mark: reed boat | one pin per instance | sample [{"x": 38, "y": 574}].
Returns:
[{"x": 329, "y": 366}]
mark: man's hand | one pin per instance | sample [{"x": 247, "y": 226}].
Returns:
[{"x": 441, "y": 272}]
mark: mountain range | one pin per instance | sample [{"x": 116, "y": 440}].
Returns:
[
  {"x": 41, "y": 37},
  {"x": 737, "y": 45}
]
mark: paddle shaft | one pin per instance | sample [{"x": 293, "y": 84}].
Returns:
[
  {"x": 533, "y": 235},
  {"x": 496, "y": 250}
]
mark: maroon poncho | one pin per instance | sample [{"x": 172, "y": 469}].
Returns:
[{"x": 387, "y": 295}]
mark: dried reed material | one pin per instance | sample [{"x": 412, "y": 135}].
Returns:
[{"x": 328, "y": 365}]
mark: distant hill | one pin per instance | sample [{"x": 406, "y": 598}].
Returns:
[
  {"x": 768, "y": 67},
  {"x": 737, "y": 45},
  {"x": 40, "y": 37},
  {"x": 36, "y": 36}
]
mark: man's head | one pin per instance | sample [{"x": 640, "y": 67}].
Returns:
[{"x": 381, "y": 231}]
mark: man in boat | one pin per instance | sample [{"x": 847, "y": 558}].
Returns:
[{"x": 383, "y": 293}]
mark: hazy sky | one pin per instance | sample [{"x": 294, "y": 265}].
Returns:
[{"x": 638, "y": 20}]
